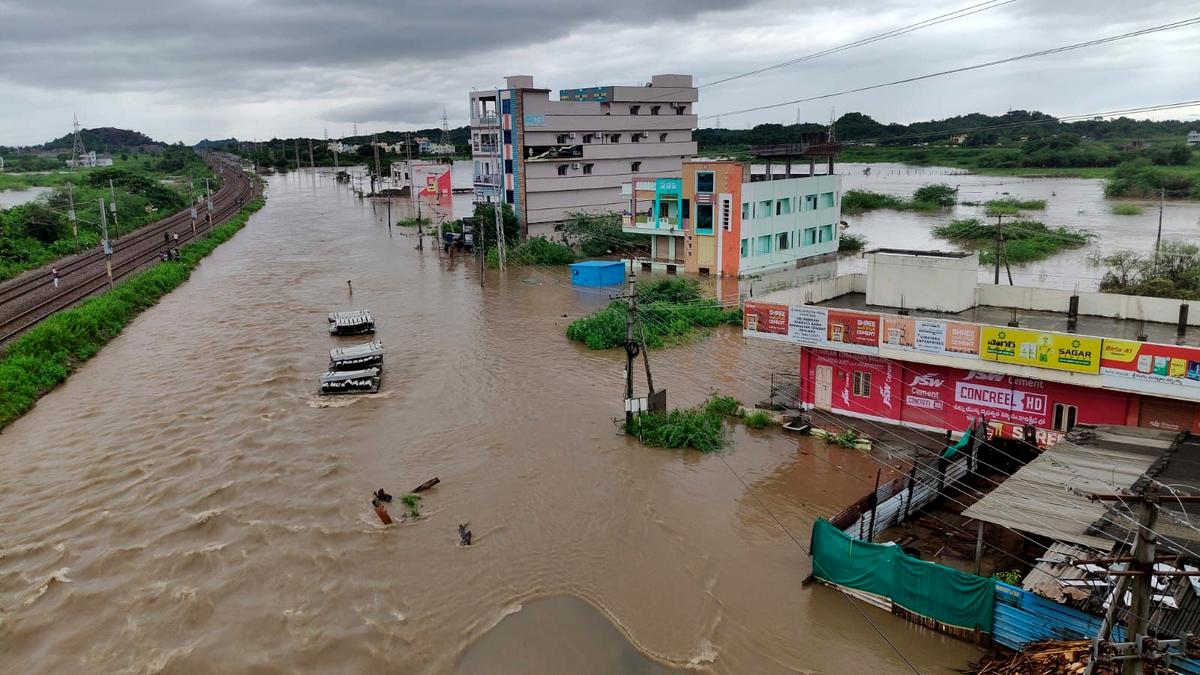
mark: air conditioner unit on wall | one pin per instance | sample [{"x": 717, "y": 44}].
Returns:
[
  {"x": 572, "y": 135},
  {"x": 575, "y": 165}
]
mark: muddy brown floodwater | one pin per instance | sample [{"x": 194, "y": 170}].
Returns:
[{"x": 186, "y": 504}]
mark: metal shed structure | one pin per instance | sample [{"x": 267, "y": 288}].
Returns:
[{"x": 1047, "y": 497}]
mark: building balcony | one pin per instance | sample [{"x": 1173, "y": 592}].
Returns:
[
  {"x": 487, "y": 179},
  {"x": 489, "y": 120},
  {"x": 643, "y": 224},
  {"x": 489, "y": 148}
]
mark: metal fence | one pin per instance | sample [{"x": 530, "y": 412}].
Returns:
[{"x": 895, "y": 501}]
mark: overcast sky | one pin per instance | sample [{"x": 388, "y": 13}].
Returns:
[{"x": 190, "y": 69}]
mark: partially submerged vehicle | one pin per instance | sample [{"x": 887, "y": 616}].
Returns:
[
  {"x": 355, "y": 322},
  {"x": 365, "y": 381},
  {"x": 358, "y": 357}
]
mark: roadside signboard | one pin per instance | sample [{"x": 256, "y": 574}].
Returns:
[
  {"x": 765, "y": 320},
  {"x": 1040, "y": 349},
  {"x": 1165, "y": 370},
  {"x": 931, "y": 336}
]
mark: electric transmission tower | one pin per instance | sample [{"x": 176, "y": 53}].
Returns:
[
  {"x": 77, "y": 149},
  {"x": 445, "y": 140}
]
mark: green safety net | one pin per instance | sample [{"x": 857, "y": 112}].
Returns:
[
  {"x": 941, "y": 593},
  {"x": 962, "y": 444}
]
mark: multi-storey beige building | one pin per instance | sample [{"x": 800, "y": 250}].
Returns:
[{"x": 549, "y": 158}]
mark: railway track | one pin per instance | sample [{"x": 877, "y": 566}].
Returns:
[{"x": 31, "y": 297}]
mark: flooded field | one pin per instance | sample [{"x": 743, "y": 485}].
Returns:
[
  {"x": 13, "y": 197},
  {"x": 185, "y": 503},
  {"x": 1070, "y": 202}
]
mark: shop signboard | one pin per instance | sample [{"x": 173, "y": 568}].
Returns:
[
  {"x": 931, "y": 336},
  {"x": 1146, "y": 367},
  {"x": 834, "y": 328},
  {"x": 1040, "y": 349},
  {"x": 765, "y": 320}
]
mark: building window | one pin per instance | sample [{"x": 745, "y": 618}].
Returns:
[
  {"x": 862, "y": 384},
  {"x": 680, "y": 109},
  {"x": 783, "y": 206},
  {"x": 704, "y": 218},
  {"x": 635, "y": 166},
  {"x": 614, "y": 138},
  {"x": 587, "y": 168},
  {"x": 654, "y": 109},
  {"x": 763, "y": 210},
  {"x": 826, "y": 233},
  {"x": 1064, "y": 416},
  {"x": 810, "y": 236},
  {"x": 562, "y": 138},
  {"x": 762, "y": 245},
  {"x": 634, "y": 109},
  {"x": 508, "y": 137},
  {"x": 827, "y": 200},
  {"x": 506, "y": 106},
  {"x": 745, "y": 210},
  {"x": 726, "y": 214},
  {"x": 587, "y": 138},
  {"x": 636, "y": 138},
  {"x": 745, "y": 248},
  {"x": 508, "y": 167},
  {"x": 704, "y": 182},
  {"x": 781, "y": 241},
  {"x": 562, "y": 169},
  {"x": 810, "y": 202},
  {"x": 662, "y": 138}
]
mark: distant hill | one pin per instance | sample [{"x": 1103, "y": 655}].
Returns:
[
  {"x": 981, "y": 129},
  {"x": 104, "y": 139}
]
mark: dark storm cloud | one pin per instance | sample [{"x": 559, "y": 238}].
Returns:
[{"x": 255, "y": 68}]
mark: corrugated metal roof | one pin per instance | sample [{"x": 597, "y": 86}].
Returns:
[
  {"x": 1046, "y": 496},
  {"x": 1057, "y": 566}
]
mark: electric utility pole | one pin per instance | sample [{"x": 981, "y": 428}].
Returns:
[
  {"x": 106, "y": 244},
  {"x": 112, "y": 206},
  {"x": 1139, "y": 649},
  {"x": 312, "y": 163},
  {"x": 71, "y": 214},
  {"x": 1162, "y": 195},
  {"x": 208, "y": 192},
  {"x": 631, "y": 347}
]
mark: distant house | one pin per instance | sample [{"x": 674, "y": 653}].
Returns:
[
  {"x": 90, "y": 160},
  {"x": 424, "y": 146},
  {"x": 957, "y": 139},
  {"x": 1193, "y": 138}
]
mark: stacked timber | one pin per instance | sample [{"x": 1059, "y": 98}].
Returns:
[
  {"x": 357, "y": 322},
  {"x": 358, "y": 357},
  {"x": 1048, "y": 657},
  {"x": 364, "y": 381}
]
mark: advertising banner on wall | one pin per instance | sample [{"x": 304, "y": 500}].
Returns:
[
  {"x": 834, "y": 328},
  {"x": 765, "y": 320},
  {"x": 931, "y": 336},
  {"x": 1040, "y": 349},
  {"x": 1166, "y": 370}
]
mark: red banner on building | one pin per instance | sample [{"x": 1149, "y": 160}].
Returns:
[
  {"x": 853, "y": 328},
  {"x": 766, "y": 320}
]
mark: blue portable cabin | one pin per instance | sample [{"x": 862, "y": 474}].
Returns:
[{"x": 598, "y": 273}]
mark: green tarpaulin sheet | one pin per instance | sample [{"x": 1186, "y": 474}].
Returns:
[
  {"x": 962, "y": 444},
  {"x": 942, "y": 593}
]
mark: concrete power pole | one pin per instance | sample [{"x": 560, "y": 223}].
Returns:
[
  {"x": 631, "y": 347},
  {"x": 106, "y": 244},
  {"x": 208, "y": 192},
  {"x": 112, "y": 206},
  {"x": 71, "y": 214},
  {"x": 1143, "y": 583},
  {"x": 312, "y": 163}
]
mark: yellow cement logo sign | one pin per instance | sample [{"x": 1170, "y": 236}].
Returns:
[{"x": 1041, "y": 349}]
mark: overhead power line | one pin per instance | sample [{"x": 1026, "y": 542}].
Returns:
[
  {"x": 987, "y": 64},
  {"x": 926, "y": 23}
]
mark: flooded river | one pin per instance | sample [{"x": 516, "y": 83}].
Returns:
[
  {"x": 186, "y": 504},
  {"x": 13, "y": 197},
  {"x": 1070, "y": 202}
]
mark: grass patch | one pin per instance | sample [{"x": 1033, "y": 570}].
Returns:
[
  {"x": 700, "y": 428},
  {"x": 44, "y": 356},
  {"x": 757, "y": 420},
  {"x": 534, "y": 251},
  {"x": 1011, "y": 206},
  {"x": 671, "y": 311},
  {"x": 1025, "y": 240},
  {"x": 851, "y": 242},
  {"x": 927, "y": 198},
  {"x": 1126, "y": 209},
  {"x": 412, "y": 222}
]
